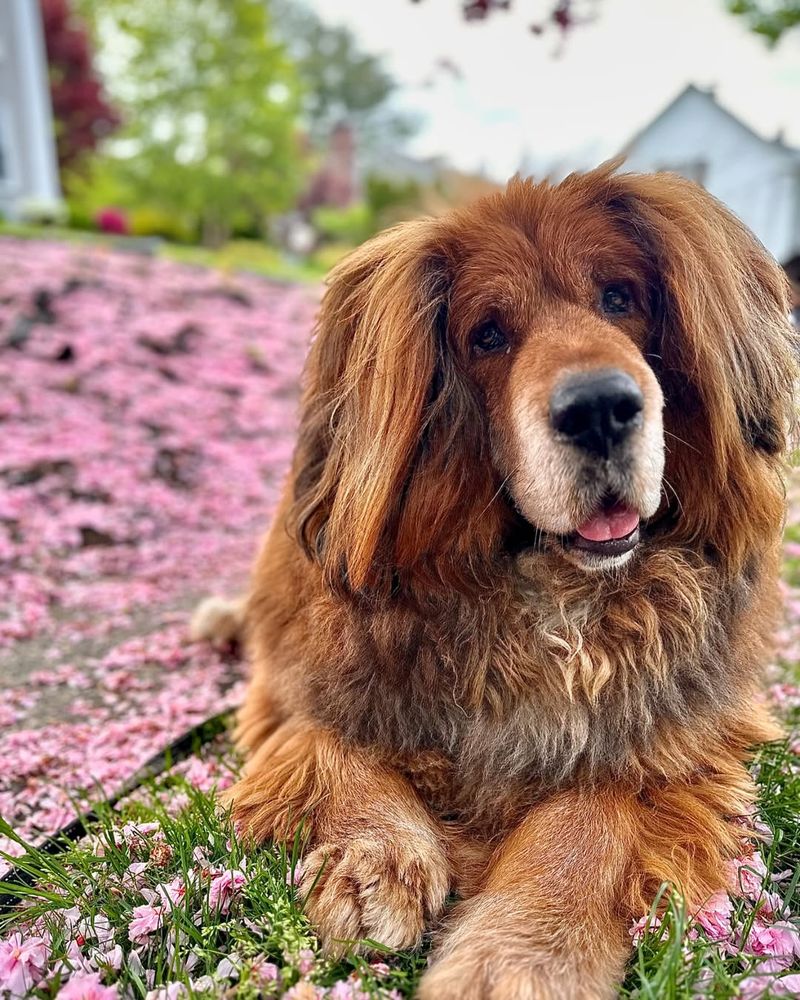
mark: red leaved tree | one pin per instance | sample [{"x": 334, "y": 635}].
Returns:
[{"x": 82, "y": 114}]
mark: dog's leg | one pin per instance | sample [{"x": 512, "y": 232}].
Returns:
[
  {"x": 376, "y": 865},
  {"x": 545, "y": 924},
  {"x": 551, "y": 922}
]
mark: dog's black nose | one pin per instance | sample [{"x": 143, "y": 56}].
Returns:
[{"x": 597, "y": 410}]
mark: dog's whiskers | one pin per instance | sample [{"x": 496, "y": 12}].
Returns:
[
  {"x": 680, "y": 440},
  {"x": 668, "y": 485},
  {"x": 499, "y": 489}
]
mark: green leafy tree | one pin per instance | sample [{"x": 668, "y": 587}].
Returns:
[
  {"x": 210, "y": 101},
  {"x": 770, "y": 18},
  {"x": 339, "y": 81}
]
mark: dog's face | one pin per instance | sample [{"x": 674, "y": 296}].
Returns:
[
  {"x": 554, "y": 328},
  {"x": 580, "y": 367}
]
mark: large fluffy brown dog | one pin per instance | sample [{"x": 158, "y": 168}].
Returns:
[{"x": 509, "y": 624}]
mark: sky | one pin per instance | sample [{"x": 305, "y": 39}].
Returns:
[{"x": 517, "y": 102}]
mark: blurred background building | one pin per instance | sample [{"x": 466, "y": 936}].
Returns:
[{"x": 758, "y": 178}]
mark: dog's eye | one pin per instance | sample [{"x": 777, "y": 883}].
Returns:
[
  {"x": 489, "y": 338},
  {"x": 617, "y": 300}
]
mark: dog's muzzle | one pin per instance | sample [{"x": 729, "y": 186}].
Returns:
[{"x": 597, "y": 412}]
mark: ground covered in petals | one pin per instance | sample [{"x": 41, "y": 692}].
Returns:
[
  {"x": 147, "y": 417},
  {"x": 147, "y": 414}
]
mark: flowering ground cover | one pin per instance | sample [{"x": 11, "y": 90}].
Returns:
[
  {"x": 147, "y": 416},
  {"x": 146, "y": 419}
]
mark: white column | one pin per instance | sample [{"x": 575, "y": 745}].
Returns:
[{"x": 31, "y": 106}]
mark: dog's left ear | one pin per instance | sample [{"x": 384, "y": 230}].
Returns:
[
  {"x": 724, "y": 304},
  {"x": 382, "y": 476},
  {"x": 368, "y": 381}
]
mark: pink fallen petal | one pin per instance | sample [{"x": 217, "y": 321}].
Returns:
[
  {"x": 225, "y": 886},
  {"x": 714, "y": 916},
  {"x": 23, "y": 963},
  {"x": 87, "y": 987},
  {"x": 776, "y": 944},
  {"x": 146, "y": 920}
]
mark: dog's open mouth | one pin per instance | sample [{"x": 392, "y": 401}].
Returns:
[{"x": 611, "y": 532}]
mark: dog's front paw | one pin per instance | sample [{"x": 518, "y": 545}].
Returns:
[
  {"x": 506, "y": 972},
  {"x": 381, "y": 889}
]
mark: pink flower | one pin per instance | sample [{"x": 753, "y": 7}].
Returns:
[
  {"x": 173, "y": 893},
  {"x": 22, "y": 964},
  {"x": 201, "y": 774},
  {"x": 134, "y": 833},
  {"x": 788, "y": 986},
  {"x": 112, "y": 220},
  {"x": 770, "y": 904},
  {"x": 777, "y": 944},
  {"x": 754, "y": 987},
  {"x": 343, "y": 990},
  {"x": 228, "y": 968},
  {"x": 294, "y": 876},
  {"x": 307, "y": 991},
  {"x": 714, "y": 916},
  {"x": 224, "y": 886},
  {"x": 306, "y": 960},
  {"x": 172, "y": 991},
  {"x": 112, "y": 958},
  {"x": 747, "y": 875},
  {"x": 133, "y": 875},
  {"x": 146, "y": 919},
  {"x": 76, "y": 961},
  {"x": 263, "y": 972},
  {"x": 87, "y": 987},
  {"x": 204, "y": 984},
  {"x": 348, "y": 989},
  {"x": 645, "y": 924},
  {"x": 200, "y": 856}
]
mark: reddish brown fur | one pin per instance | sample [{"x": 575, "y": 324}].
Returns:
[{"x": 446, "y": 706}]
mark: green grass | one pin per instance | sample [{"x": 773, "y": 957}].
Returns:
[
  {"x": 265, "y": 921},
  {"x": 246, "y": 255}
]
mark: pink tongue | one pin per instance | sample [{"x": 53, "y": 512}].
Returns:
[{"x": 615, "y": 522}]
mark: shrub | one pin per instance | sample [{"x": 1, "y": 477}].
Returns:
[
  {"x": 112, "y": 220},
  {"x": 151, "y": 221}
]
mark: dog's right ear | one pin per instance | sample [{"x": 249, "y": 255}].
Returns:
[
  {"x": 726, "y": 355},
  {"x": 369, "y": 380}
]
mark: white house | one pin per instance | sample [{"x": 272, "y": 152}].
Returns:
[
  {"x": 758, "y": 178},
  {"x": 28, "y": 166}
]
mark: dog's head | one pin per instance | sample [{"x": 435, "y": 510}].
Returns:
[{"x": 592, "y": 367}]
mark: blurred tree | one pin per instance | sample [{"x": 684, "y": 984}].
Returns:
[
  {"x": 82, "y": 114},
  {"x": 211, "y": 101},
  {"x": 770, "y": 18},
  {"x": 339, "y": 81}
]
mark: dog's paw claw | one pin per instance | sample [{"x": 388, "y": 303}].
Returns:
[{"x": 375, "y": 889}]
